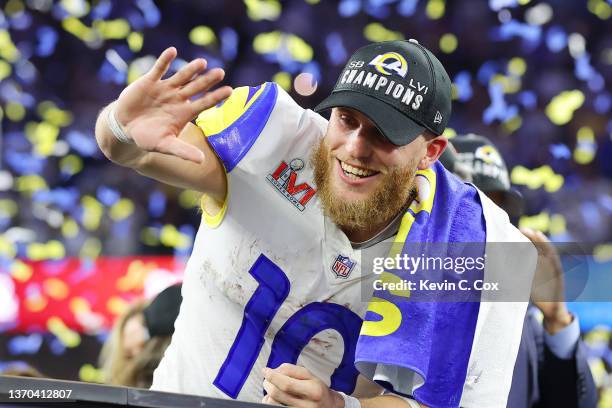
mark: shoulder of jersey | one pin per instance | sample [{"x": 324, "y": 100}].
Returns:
[{"x": 233, "y": 125}]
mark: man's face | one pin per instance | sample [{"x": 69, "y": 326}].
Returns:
[{"x": 363, "y": 179}]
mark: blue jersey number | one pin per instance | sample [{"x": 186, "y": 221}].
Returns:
[{"x": 291, "y": 338}]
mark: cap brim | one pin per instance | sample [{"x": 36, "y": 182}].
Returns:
[{"x": 394, "y": 125}]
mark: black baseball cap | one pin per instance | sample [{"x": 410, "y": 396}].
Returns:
[
  {"x": 487, "y": 168},
  {"x": 162, "y": 311},
  {"x": 400, "y": 85}
]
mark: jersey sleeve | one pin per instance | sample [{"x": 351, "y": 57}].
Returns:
[{"x": 234, "y": 125}]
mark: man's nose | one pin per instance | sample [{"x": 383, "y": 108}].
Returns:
[{"x": 358, "y": 144}]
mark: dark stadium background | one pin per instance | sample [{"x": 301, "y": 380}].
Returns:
[{"x": 533, "y": 76}]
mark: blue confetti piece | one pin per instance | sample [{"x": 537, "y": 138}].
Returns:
[
  {"x": 57, "y": 347},
  {"x": 556, "y": 38},
  {"x": 21, "y": 21},
  {"x": 29, "y": 344},
  {"x": 157, "y": 204},
  {"x": 229, "y": 43},
  {"x": 378, "y": 8},
  {"x": 24, "y": 163},
  {"x": 3, "y": 21},
  {"x": 464, "y": 88},
  {"x": 137, "y": 21},
  {"x": 150, "y": 11},
  {"x": 108, "y": 73},
  {"x": 605, "y": 201},
  {"x": 58, "y": 12},
  {"x": 9, "y": 91},
  {"x": 84, "y": 144},
  {"x": 583, "y": 68},
  {"x": 590, "y": 215},
  {"x": 498, "y": 109},
  {"x": 528, "y": 99},
  {"x": 507, "y": 31},
  {"x": 602, "y": 103},
  {"x": 497, "y": 5},
  {"x": 314, "y": 69},
  {"x": 107, "y": 195},
  {"x": 349, "y": 8},
  {"x": 122, "y": 228},
  {"x": 336, "y": 51},
  {"x": 25, "y": 71},
  {"x": 103, "y": 336},
  {"x": 102, "y": 10},
  {"x": 596, "y": 83},
  {"x": 560, "y": 151},
  {"x": 486, "y": 72},
  {"x": 47, "y": 40},
  {"x": 406, "y": 8},
  {"x": 64, "y": 198}
]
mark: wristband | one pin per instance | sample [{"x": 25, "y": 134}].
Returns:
[
  {"x": 350, "y": 402},
  {"x": 116, "y": 127}
]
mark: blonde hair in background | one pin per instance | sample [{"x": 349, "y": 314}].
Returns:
[{"x": 119, "y": 369}]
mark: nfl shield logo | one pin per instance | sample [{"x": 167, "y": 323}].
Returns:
[{"x": 342, "y": 266}]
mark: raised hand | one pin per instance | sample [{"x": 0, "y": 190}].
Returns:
[{"x": 153, "y": 110}]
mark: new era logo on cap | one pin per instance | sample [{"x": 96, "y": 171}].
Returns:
[{"x": 399, "y": 85}]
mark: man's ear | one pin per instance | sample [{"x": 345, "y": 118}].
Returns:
[{"x": 434, "y": 150}]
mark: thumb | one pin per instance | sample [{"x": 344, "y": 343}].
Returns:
[{"x": 177, "y": 147}]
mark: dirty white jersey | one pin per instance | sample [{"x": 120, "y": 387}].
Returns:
[{"x": 270, "y": 279}]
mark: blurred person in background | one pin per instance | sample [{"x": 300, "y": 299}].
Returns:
[
  {"x": 139, "y": 339},
  {"x": 20, "y": 369},
  {"x": 551, "y": 367}
]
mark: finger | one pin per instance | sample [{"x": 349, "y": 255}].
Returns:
[
  {"x": 280, "y": 396},
  {"x": 295, "y": 371},
  {"x": 202, "y": 83},
  {"x": 163, "y": 63},
  {"x": 180, "y": 148},
  {"x": 184, "y": 75},
  {"x": 210, "y": 99},
  {"x": 293, "y": 386}
]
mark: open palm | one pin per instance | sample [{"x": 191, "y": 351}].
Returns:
[{"x": 155, "y": 110}]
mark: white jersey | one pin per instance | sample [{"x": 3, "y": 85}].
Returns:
[{"x": 270, "y": 279}]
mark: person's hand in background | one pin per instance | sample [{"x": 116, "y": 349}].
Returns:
[{"x": 547, "y": 292}]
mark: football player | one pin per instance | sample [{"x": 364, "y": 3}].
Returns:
[{"x": 272, "y": 293}]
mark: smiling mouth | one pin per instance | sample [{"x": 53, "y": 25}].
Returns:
[{"x": 356, "y": 173}]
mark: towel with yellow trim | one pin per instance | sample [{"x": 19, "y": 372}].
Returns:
[{"x": 445, "y": 342}]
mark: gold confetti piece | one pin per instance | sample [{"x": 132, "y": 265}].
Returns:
[
  {"x": 603, "y": 252},
  {"x": 66, "y": 336},
  {"x": 79, "y": 305},
  {"x": 89, "y": 373},
  {"x": 258, "y": 10},
  {"x": 135, "y": 276},
  {"x": 283, "y": 79},
  {"x": 116, "y": 305},
  {"x": 36, "y": 303},
  {"x": 202, "y": 35},
  {"x": 561, "y": 108},
  {"x": 448, "y": 43},
  {"x": 376, "y": 32},
  {"x": 122, "y": 209},
  {"x": 56, "y": 289},
  {"x": 21, "y": 271},
  {"x": 435, "y": 9}
]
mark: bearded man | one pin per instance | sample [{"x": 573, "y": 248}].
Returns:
[{"x": 272, "y": 295}]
